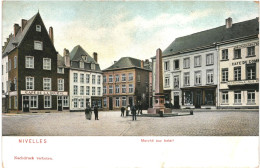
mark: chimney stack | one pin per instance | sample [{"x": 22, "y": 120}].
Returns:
[
  {"x": 51, "y": 34},
  {"x": 16, "y": 29},
  {"x": 142, "y": 64},
  {"x": 95, "y": 56},
  {"x": 228, "y": 22},
  {"x": 66, "y": 56},
  {"x": 23, "y": 23}
]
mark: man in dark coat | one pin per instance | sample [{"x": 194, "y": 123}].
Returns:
[
  {"x": 88, "y": 112},
  {"x": 134, "y": 112},
  {"x": 96, "y": 112},
  {"x": 122, "y": 111}
]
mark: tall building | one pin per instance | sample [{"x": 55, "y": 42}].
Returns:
[
  {"x": 85, "y": 80},
  {"x": 126, "y": 82},
  {"x": 32, "y": 68}
]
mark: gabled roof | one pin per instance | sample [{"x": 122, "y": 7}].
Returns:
[
  {"x": 128, "y": 62},
  {"x": 60, "y": 61},
  {"x": 212, "y": 36}
]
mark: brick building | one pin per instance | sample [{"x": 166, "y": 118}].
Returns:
[
  {"x": 32, "y": 68},
  {"x": 126, "y": 82}
]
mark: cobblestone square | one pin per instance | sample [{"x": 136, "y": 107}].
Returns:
[{"x": 213, "y": 123}]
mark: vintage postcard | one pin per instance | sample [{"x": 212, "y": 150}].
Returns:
[{"x": 130, "y": 84}]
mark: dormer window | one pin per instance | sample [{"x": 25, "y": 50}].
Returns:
[
  {"x": 81, "y": 65},
  {"x": 93, "y": 66},
  {"x": 84, "y": 58},
  {"x": 38, "y": 28}
]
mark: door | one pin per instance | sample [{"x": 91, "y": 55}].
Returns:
[
  {"x": 87, "y": 102},
  {"x": 110, "y": 103},
  {"x": 26, "y": 104},
  {"x": 176, "y": 102},
  {"x": 59, "y": 105},
  {"x": 130, "y": 101},
  {"x": 198, "y": 99}
]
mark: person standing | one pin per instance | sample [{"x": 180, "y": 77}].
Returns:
[
  {"x": 88, "y": 112},
  {"x": 139, "y": 108},
  {"x": 96, "y": 112},
  {"x": 134, "y": 112},
  {"x": 122, "y": 111}
]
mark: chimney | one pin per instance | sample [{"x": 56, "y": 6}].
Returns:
[
  {"x": 229, "y": 22},
  {"x": 95, "y": 56},
  {"x": 23, "y": 23},
  {"x": 142, "y": 64},
  {"x": 16, "y": 29},
  {"x": 66, "y": 56},
  {"x": 51, "y": 34}
]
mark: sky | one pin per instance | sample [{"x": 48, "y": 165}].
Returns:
[{"x": 123, "y": 28}]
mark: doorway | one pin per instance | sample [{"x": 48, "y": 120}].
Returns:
[
  {"x": 130, "y": 100},
  {"x": 110, "y": 103},
  {"x": 198, "y": 99},
  {"x": 176, "y": 102},
  {"x": 59, "y": 105},
  {"x": 26, "y": 104}
]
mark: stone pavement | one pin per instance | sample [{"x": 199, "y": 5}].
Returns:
[{"x": 229, "y": 123}]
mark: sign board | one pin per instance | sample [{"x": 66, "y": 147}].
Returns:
[
  {"x": 243, "y": 82},
  {"x": 32, "y": 92}
]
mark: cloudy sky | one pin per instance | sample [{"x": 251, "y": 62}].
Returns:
[{"x": 119, "y": 29}]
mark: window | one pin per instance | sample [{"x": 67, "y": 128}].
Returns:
[
  {"x": 81, "y": 78},
  {"x": 251, "y": 97},
  {"x": 15, "y": 62},
  {"x": 29, "y": 62},
  {"x": 186, "y": 63},
  {"x": 225, "y": 54},
  {"x": 29, "y": 83},
  {"x": 99, "y": 80},
  {"x": 209, "y": 59},
  {"x": 60, "y": 84},
  {"x": 237, "y": 95},
  {"x": 167, "y": 66},
  {"x": 15, "y": 83},
  {"x": 167, "y": 81},
  {"x": 105, "y": 102},
  {"x": 93, "y": 79},
  {"x": 197, "y": 61},
  {"x": 60, "y": 70},
  {"x": 81, "y": 65},
  {"x": 188, "y": 98},
  {"x": 197, "y": 78},
  {"x": 176, "y": 82},
  {"x": 224, "y": 74},
  {"x": 224, "y": 97},
  {"x": 81, "y": 103},
  {"x": 237, "y": 73},
  {"x": 110, "y": 78},
  {"x": 75, "y": 103},
  {"x": 10, "y": 65},
  {"x": 37, "y": 45},
  {"x": 87, "y": 90},
  {"x": 117, "y": 102},
  {"x": 47, "y": 101},
  {"x": 176, "y": 64},
  {"x": 46, "y": 83},
  {"x": 104, "y": 79},
  {"x": 15, "y": 102},
  {"x": 237, "y": 53},
  {"x": 138, "y": 78},
  {"x": 87, "y": 78},
  {"x": 117, "y": 78},
  {"x": 75, "y": 90},
  {"x": 99, "y": 91},
  {"x": 251, "y": 51},
  {"x": 93, "y": 91},
  {"x": 104, "y": 89},
  {"x": 187, "y": 79},
  {"x": 130, "y": 77},
  {"x": 47, "y": 63},
  {"x": 123, "y": 78},
  {"x": 210, "y": 76},
  {"x": 131, "y": 88},
  {"x": 110, "y": 89},
  {"x": 123, "y": 88},
  {"x": 117, "y": 88},
  {"x": 209, "y": 97},
  {"x": 75, "y": 77},
  {"x": 81, "y": 90},
  {"x": 123, "y": 101},
  {"x": 251, "y": 71},
  {"x": 65, "y": 101},
  {"x": 33, "y": 101},
  {"x": 93, "y": 66},
  {"x": 38, "y": 28}
]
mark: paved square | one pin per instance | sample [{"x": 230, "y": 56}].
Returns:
[{"x": 240, "y": 123}]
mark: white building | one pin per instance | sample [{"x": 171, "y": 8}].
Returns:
[{"x": 85, "y": 80}]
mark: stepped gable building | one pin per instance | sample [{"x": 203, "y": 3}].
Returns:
[
  {"x": 127, "y": 82},
  {"x": 192, "y": 65},
  {"x": 85, "y": 80},
  {"x": 32, "y": 68}
]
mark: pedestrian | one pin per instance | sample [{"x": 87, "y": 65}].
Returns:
[
  {"x": 134, "y": 112},
  {"x": 140, "y": 108},
  {"x": 88, "y": 112},
  {"x": 128, "y": 110},
  {"x": 96, "y": 112},
  {"x": 122, "y": 111}
]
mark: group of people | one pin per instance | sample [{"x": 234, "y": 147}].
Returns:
[
  {"x": 88, "y": 112},
  {"x": 133, "y": 109}
]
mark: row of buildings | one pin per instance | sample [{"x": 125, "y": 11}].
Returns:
[{"x": 36, "y": 78}]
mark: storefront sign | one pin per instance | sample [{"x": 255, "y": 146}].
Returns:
[
  {"x": 32, "y": 92},
  {"x": 14, "y": 93},
  {"x": 243, "y": 82},
  {"x": 245, "y": 62},
  {"x": 246, "y": 45}
]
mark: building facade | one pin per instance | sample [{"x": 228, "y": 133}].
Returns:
[
  {"x": 125, "y": 83},
  {"x": 32, "y": 68},
  {"x": 85, "y": 80}
]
